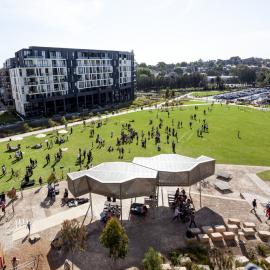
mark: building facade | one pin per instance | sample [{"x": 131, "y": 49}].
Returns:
[
  {"x": 47, "y": 81},
  {"x": 5, "y": 85}
]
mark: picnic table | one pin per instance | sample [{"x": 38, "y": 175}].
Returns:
[
  {"x": 222, "y": 186},
  {"x": 224, "y": 175}
]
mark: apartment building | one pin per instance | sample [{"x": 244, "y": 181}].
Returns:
[{"x": 47, "y": 81}]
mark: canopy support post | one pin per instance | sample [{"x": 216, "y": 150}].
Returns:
[
  {"x": 121, "y": 203},
  {"x": 200, "y": 194}
]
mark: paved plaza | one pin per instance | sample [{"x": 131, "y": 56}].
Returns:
[{"x": 155, "y": 230}]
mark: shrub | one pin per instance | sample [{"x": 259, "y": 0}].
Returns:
[
  {"x": 262, "y": 249},
  {"x": 152, "y": 260}
]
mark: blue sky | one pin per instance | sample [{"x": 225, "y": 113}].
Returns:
[{"x": 157, "y": 30}]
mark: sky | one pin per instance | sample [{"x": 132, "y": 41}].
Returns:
[{"x": 157, "y": 30}]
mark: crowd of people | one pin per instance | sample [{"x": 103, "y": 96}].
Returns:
[{"x": 183, "y": 208}]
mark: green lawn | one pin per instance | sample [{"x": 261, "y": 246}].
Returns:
[
  {"x": 220, "y": 143},
  {"x": 207, "y": 93},
  {"x": 265, "y": 175}
]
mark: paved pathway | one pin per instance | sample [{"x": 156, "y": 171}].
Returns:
[
  {"x": 51, "y": 221},
  {"x": 260, "y": 183}
]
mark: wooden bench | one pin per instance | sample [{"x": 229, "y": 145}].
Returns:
[
  {"x": 248, "y": 231},
  {"x": 203, "y": 238},
  {"x": 228, "y": 235},
  {"x": 216, "y": 236},
  {"x": 220, "y": 228},
  {"x": 264, "y": 235},
  {"x": 192, "y": 240},
  {"x": 195, "y": 231},
  {"x": 232, "y": 228},
  {"x": 235, "y": 221},
  {"x": 249, "y": 225},
  {"x": 207, "y": 229}
]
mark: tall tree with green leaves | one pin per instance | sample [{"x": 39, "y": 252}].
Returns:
[
  {"x": 152, "y": 260},
  {"x": 114, "y": 238}
]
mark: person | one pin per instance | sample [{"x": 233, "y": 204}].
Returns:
[
  {"x": 40, "y": 180},
  {"x": 176, "y": 213},
  {"x": 238, "y": 134},
  {"x": 29, "y": 226},
  {"x": 4, "y": 209},
  {"x": 254, "y": 206},
  {"x": 15, "y": 263},
  {"x": 192, "y": 220}
]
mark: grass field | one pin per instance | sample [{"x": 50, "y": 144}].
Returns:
[
  {"x": 265, "y": 175},
  {"x": 207, "y": 93},
  {"x": 220, "y": 143}
]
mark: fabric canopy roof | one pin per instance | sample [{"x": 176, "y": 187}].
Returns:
[
  {"x": 121, "y": 180},
  {"x": 177, "y": 170}
]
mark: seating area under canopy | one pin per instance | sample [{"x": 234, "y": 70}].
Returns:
[
  {"x": 177, "y": 170},
  {"x": 120, "y": 180}
]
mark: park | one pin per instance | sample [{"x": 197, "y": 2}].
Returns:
[{"x": 220, "y": 142}]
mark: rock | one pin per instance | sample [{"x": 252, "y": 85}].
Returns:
[
  {"x": 166, "y": 266},
  {"x": 241, "y": 260},
  {"x": 204, "y": 267},
  {"x": 185, "y": 261},
  {"x": 268, "y": 260}
]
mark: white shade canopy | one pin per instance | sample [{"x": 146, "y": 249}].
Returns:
[
  {"x": 177, "y": 170},
  {"x": 115, "y": 179}
]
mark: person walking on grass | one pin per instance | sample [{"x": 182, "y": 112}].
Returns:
[{"x": 254, "y": 206}]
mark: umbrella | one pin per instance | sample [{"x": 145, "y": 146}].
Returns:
[
  {"x": 62, "y": 131},
  {"x": 41, "y": 135}
]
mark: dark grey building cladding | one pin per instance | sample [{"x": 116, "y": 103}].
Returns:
[{"x": 80, "y": 92}]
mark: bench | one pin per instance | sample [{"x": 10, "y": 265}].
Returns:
[
  {"x": 264, "y": 235},
  {"x": 192, "y": 240},
  {"x": 216, "y": 236},
  {"x": 235, "y": 221},
  {"x": 223, "y": 186},
  {"x": 225, "y": 176},
  {"x": 248, "y": 231},
  {"x": 195, "y": 231},
  {"x": 232, "y": 228},
  {"x": 207, "y": 229},
  {"x": 219, "y": 228},
  {"x": 228, "y": 235},
  {"x": 249, "y": 225},
  {"x": 203, "y": 238}
]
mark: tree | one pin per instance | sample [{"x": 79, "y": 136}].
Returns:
[
  {"x": 115, "y": 239},
  {"x": 63, "y": 120},
  {"x": 52, "y": 179},
  {"x": 152, "y": 260},
  {"x": 73, "y": 237},
  {"x": 51, "y": 123},
  {"x": 26, "y": 127}
]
